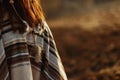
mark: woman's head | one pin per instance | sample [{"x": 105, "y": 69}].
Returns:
[{"x": 29, "y": 10}]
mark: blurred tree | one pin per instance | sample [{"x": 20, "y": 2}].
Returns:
[
  {"x": 103, "y": 1},
  {"x": 51, "y": 7},
  {"x": 55, "y": 8},
  {"x": 87, "y": 3}
]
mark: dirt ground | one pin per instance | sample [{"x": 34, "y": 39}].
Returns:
[
  {"x": 88, "y": 38},
  {"x": 89, "y": 55}
]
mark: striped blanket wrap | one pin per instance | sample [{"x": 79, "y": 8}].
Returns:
[{"x": 17, "y": 60}]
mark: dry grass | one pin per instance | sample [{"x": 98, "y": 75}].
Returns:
[{"x": 91, "y": 18}]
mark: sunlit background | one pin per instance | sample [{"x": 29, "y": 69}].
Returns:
[{"x": 87, "y": 34}]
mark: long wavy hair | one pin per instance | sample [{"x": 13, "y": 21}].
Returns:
[{"x": 29, "y": 10}]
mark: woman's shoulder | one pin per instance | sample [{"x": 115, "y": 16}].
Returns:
[{"x": 46, "y": 26}]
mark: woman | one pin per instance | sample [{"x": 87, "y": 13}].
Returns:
[{"x": 27, "y": 47}]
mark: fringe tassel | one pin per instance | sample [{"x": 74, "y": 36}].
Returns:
[{"x": 38, "y": 51}]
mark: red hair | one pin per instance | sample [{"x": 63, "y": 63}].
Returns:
[{"x": 29, "y": 10}]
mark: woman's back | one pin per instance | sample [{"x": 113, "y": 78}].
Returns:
[{"x": 27, "y": 54}]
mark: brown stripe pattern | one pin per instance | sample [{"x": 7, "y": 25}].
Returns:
[{"x": 17, "y": 57}]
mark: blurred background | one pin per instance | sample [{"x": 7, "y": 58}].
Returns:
[{"x": 87, "y": 34}]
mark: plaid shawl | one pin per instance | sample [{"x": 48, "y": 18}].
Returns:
[{"x": 17, "y": 60}]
